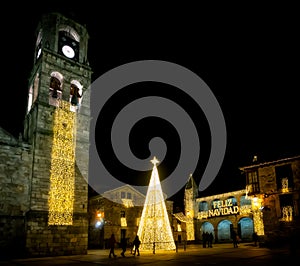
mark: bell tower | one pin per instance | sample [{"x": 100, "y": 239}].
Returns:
[
  {"x": 57, "y": 126},
  {"x": 190, "y": 195}
]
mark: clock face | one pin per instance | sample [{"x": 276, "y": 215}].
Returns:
[
  {"x": 67, "y": 46},
  {"x": 68, "y": 51}
]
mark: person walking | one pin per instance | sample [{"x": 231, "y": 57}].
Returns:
[
  {"x": 204, "y": 239},
  {"x": 112, "y": 241},
  {"x": 136, "y": 244},
  {"x": 235, "y": 239},
  {"x": 255, "y": 238},
  {"x": 123, "y": 246},
  {"x": 131, "y": 247},
  {"x": 210, "y": 239}
]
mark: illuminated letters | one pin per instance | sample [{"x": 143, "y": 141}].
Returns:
[{"x": 220, "y": 208}]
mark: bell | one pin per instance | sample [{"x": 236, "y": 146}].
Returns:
[
  {"x": 74, "y": 99},
  {"x": 54, "y": 94}
]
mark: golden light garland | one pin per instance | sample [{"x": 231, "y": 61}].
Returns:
[
  {"x": 258, "y": 216},
  {"x": 190, "y": 232},
  {"x": 154, "y": 227},
  {"x": 62, "y": 172}
]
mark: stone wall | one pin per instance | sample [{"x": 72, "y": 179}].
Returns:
[
  {"x": 112, "y": 218},
  {"x": 55, "y": 240},
  {"x": 15, "y": 177}
]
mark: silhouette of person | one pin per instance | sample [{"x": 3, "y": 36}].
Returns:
[
  {"x": 112, "y": 241},
  {"x": 204, "y": 239},
  {"x": 131, "y": 247},
  {"x": 136, "y": 243},
  {"x": 210, "y": 239},
  {"x": 255, "y": 238},
  {"x": 123, "y": 246},
  {"x": 234, "y": 239}
]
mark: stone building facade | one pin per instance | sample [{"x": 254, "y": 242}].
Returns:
[
  {"x": 43, "y": 174},
  {"x": 118, "y": 212},
  {"x": 179, "y": 227},
  {"x": 274, "y": 188},
  {"x": 268, "y": 206},
  {"x": 222, "y": 214}
]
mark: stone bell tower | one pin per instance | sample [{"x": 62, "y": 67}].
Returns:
[
  {"x": 57, "y": 128},
  {"x": 190, "y": 207}
]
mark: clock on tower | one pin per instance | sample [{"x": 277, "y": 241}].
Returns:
[{"x": 67, "y": 45}]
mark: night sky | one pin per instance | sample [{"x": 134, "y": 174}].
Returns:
[{"x": 247, "y": 55}]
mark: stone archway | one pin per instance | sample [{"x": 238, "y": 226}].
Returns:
[
  {"x": 224, "y": 229},
  {"x": 246, "y": 228}
]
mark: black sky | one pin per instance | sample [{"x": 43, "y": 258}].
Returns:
[{"x": 247, "y": 55}]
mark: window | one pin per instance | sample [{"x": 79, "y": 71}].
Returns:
[
  {"x": 245, "y": 201},
  {"x": 252, "y": 182},
  {"x": 287, "y": 207},
  {"x": 123, "y": 221},
  {"x": 179, "y": 226},
  {"x": 128, "y": 195},
  {"x": 284, "y": 173},
  {"x": 30, "y": 99},
  {"x": 33, "y": 93},
  {"x": 123, "y": 195},
  {"x": 203, "y": 206},
  {"x": 55, "y": 89},
  {"x": 75, "y": 95}
]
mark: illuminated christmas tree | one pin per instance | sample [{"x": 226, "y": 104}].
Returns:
[{"x": 154, "y": 227}]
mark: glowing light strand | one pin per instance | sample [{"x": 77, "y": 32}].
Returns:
[
  {"x": 62, "y": 172},
  {"x": 190, "y": 216},
  {"x": 189, "y": 207},
  {"x": 257, "y": 216}
]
